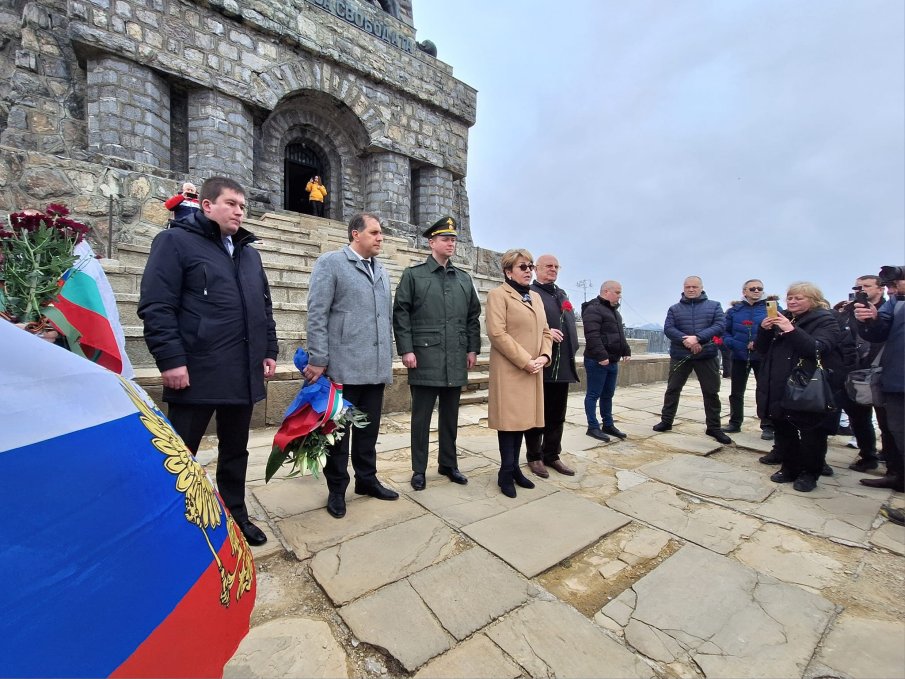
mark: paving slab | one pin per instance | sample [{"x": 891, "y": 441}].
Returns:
[
  {"x": 288, "y": 647},
  {"x": 362, "y": 564},
  {"x": 795, "y": 558},
  {"x": 699, "y": 609},
  {"x": 470, "y": 590},
  {"x": 535, "y": 536},
  {"x": 575, "y": 439},
  {"x": 480, "y": 499},
  {"x": 388, "y": 442},
  {"x": 484, "y": 444},
  {"x": 309, "y": 533},
  {"x": 552, "y": 639},
  {"x": 701, "y": 522},
  {"x": 288, "y": 497},
  {"x": 673, "y": 442},
  {"x": 706, "y": 476},
  {"x": 396, "y": 619},
  {"x": 750, "y": 440},
  {"x": 467, "y": 465},
  {"x": 834, "y": 515},
  {"x": 890, "y": 536},
  {"x": 862, "y": 647},
  {"x": 478, "y": 658}
]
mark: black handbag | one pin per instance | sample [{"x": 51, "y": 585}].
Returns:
[{"x": 809, "y": 391}]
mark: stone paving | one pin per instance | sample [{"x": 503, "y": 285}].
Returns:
[{"x": 667, "y": 555}]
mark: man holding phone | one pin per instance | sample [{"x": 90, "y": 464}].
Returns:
[{"x": 184, "y": 203}]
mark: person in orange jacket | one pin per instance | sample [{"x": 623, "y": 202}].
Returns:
[{"x": 316, "y": 194}]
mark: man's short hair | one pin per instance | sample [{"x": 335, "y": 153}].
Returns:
[
  {"x": 871, "y": 277},
  {"x": 213, "y": 187},
  {"x": 357, "y": 223},
  {"x": 750, "y": 281},
  {"x": 607, "y": 285}
]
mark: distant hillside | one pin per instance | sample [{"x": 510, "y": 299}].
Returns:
[{"x": 650, "y": 326}]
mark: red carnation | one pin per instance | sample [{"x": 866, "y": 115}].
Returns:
[
  {"x": 567, "y": 305},
  {"x": 748, "y": 323},
  {"x": 718, "y": 340}
]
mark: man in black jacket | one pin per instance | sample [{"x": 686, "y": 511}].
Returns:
[
  {"x": 605, "y": 346},
  {"x": 208, "y": 323},
  {"x": 544, "y": 443}
]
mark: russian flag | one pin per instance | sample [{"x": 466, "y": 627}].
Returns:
[{"x": 117, "y": 557}]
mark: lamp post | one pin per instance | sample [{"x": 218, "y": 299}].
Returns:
[{"x": 584, "y": 285}]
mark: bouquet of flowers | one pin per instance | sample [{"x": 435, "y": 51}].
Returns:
[
  {"x": 315, "y": 420},
  {"x": 564, "y": 308},
  {"x": 36, "y": 248},
  {"x": 717, "y": 341}
]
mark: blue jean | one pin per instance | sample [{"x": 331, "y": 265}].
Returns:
[{"x": 601, "y": 387}]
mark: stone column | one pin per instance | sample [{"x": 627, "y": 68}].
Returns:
[
  {"x": 434, "y": 195},
  {"x": 128, "y": 107},
  {"x": 388, "y": 190},
  {"x": 221, "y": 137}
]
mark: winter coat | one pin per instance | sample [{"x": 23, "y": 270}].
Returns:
[
  {"x": 518, "y": 333},
  {"x": 737, "y": 334},
  {"x": 209, "y": 312},
  {"x": 889, "y": 327},
  {"x": 350, "y": 319},
  {"x": 181, "y": 206},
  {"x": 699, "y": 316},
  {"x": 814, "y": 329},
  {"x": 604, "y": 332},
  {"x": 563, "y": 359},
  {"x": 436, "y": 315},
  {"x": 865, "y": 351},
  {"x": 316, "y": 192}
]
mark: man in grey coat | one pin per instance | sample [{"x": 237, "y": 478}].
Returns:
[
  {"x": 436, "y": 317},
  {"x": 350, "y": 339}
]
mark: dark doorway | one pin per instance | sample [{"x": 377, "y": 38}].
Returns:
[{"x": 301, "y": 163}]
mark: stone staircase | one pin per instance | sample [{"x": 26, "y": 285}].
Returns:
[{"x": 289, "y": 245}]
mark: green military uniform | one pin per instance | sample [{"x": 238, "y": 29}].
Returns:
[{"x": 436, "y": 316}]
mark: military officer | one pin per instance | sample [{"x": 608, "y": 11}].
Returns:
[{"x": 438, "y": 334}]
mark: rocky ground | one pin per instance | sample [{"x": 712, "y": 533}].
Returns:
[{"x": 666, "y": 555}]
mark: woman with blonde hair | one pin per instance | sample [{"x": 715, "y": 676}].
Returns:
[
  {"x": 805, "y": 332},
  {"x": 520, "y": 347}
]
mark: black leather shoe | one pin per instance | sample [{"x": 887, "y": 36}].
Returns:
[
  {"x": 827, "y": 470},
  {"x": 376, "y": 490},
  {"x": 597, "y": 434},
  {"x": 782, "y": 477},
  {"x": 253, "y": 535},
  {"x": 418, "y": 481},
  {"x": 897, "y": 516},
  {"x": 766, "y": 434},
  {"x": 453, "y": 475},
  {"x": 336, "y": 505},
  {"x": 770, "y": 458},
  {"x": 732, "y": 429},
  {"x": 661, "y": 426},
  {"x": 864, "y": 464},
  {"x": 719, "y": 436},
  {"x": 895, "y": 482},
  {"x": 612, "y": 431},
  {"x": 805, "y": 483}
]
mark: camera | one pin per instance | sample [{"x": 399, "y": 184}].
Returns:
[
  {"x": 888, "y": 274},
  {"x": 190, "y": 195}
]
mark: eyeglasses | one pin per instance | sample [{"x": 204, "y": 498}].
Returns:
[
  {"x": 756, "y": 289},
  {"x": 552, "y": 266},
  {"x": 526, "y": 267}
]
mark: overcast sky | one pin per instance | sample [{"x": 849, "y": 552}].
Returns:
[{"x": 649, "y": 140}]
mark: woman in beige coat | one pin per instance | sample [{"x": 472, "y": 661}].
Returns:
[{"x": 520, "y": 347}]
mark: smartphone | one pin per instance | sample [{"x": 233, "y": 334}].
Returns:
[
  {"x": 771, "y": 308},
  {"x": 861, "y": 297}
]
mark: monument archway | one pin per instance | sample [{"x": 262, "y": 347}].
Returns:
[{"x": 302, "y": 160}]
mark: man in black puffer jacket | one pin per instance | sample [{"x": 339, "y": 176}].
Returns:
[
  {"x": 692, "y": 325},
  {"x": 208, "y": 323}
]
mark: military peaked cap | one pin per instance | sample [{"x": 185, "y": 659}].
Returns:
[{"x": 445, "y": 226}]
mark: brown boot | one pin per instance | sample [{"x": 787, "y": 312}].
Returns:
[
  {"x": 538, "y": 468},
  {"x": 897, "y": 483},
  {"x": 561, "y": 468}
]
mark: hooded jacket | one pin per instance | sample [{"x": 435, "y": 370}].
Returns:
[
  {"x": 699, "y": 316},
  {"x": 209, "y": 312}
]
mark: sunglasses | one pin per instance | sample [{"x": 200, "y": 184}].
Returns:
[
  {"x": 756, "y": 289},
  {"x": 526, "y": 267}
]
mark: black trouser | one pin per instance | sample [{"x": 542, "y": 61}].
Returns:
[
  {"x": 860, "y": 419},
  {"x": 423, "y": 399},
  {"x": 510, "y": 447},
  {"x": 546, "y": 442},
  {"x": 886, "y": 440},
  {"x": 368, "y": 398},
  {"x": 190, "y": 421},
  {"x": 317, "y": 208},
  {"x": 802, "y": 450},
  {"x": 707, "y": 371},
  {"x": 740, "y": 370},
  {"x": 895, "y": 422}
]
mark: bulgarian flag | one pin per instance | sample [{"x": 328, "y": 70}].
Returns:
[{"x": 85, "y": 313}]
